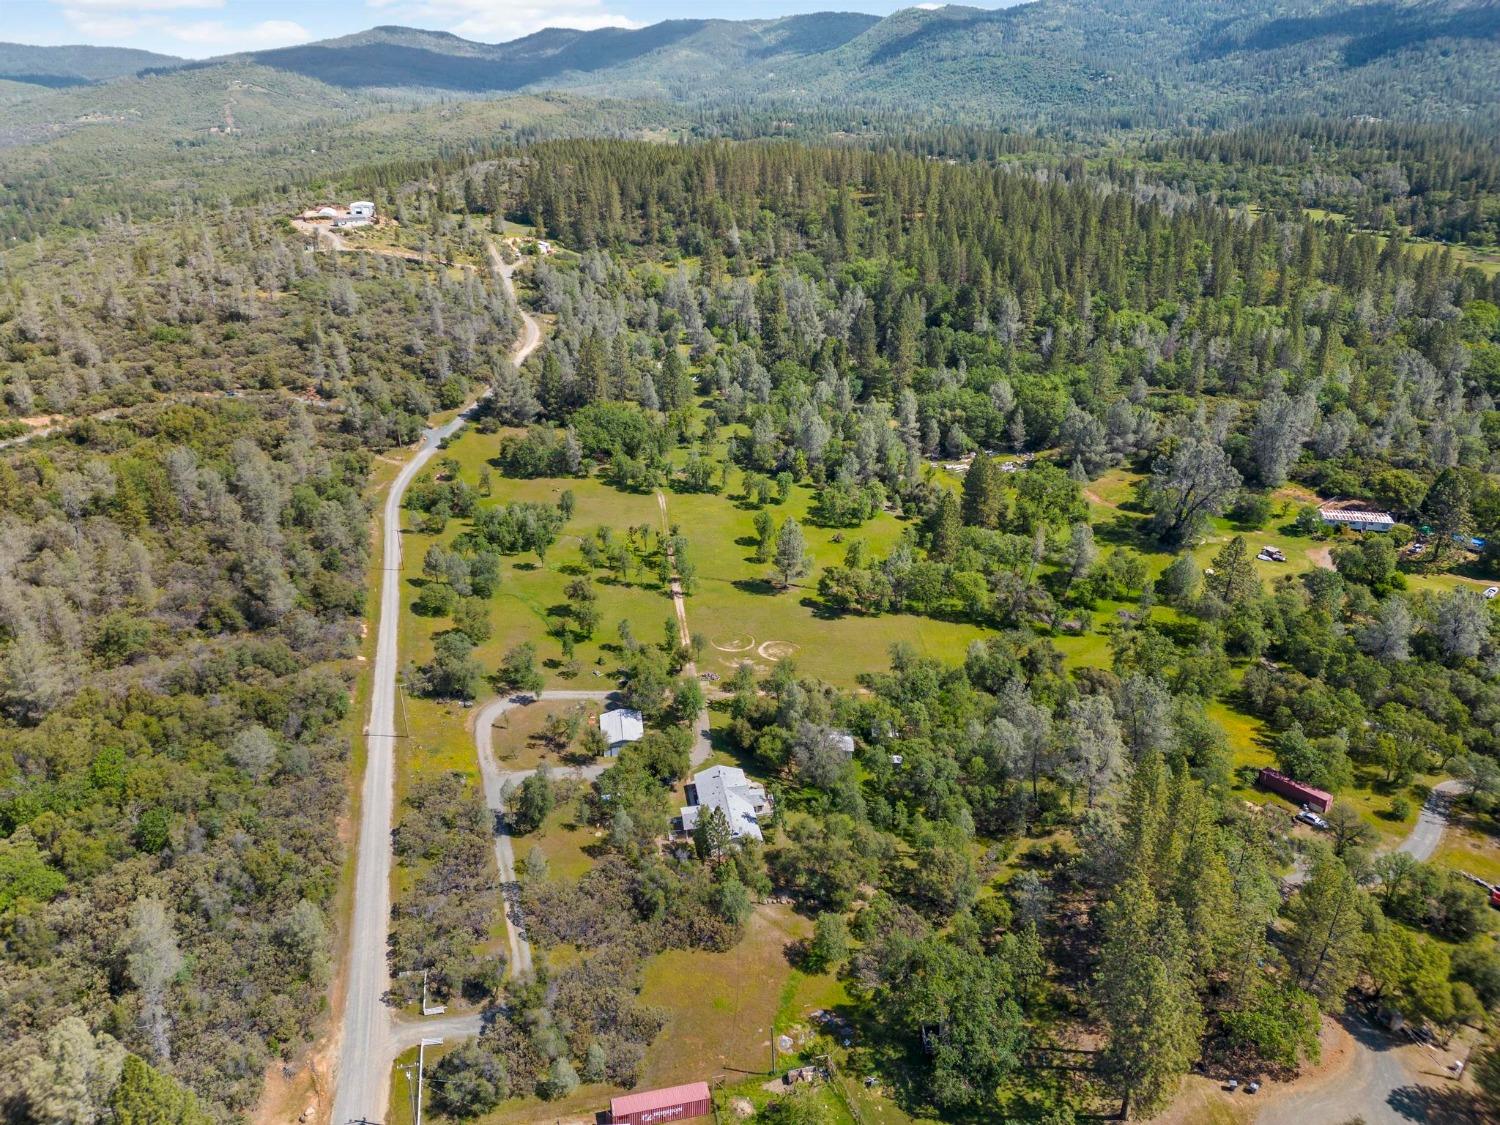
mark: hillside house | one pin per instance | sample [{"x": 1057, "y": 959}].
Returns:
[
  {"x": 726, "y": 788},
  {"x": 362, "y": 209}
]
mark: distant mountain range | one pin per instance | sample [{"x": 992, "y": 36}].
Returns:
[
  {"x": 1108, "y": 62},
  {"x": 74, "y": 66}
]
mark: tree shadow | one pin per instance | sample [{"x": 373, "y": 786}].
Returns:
[
  {"x": 1435, "y": 1105},
  {"x": 757, "y": 586},
  {"x": 1127, "y": 531}
]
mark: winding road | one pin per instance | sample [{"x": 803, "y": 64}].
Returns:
[{"x": 371, "y": 1036}]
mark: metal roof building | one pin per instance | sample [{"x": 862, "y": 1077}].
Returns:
[
  {"x": 1359, "y": 521},
  {"x": 742, "y": 801},
  {"x": 621, "y": 726},
  {"x": 649, "y": 1107}
]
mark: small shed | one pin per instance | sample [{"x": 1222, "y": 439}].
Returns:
[
  {"x": 362, "y": 209},
  {"x": 621, "y": 727},
  {"x": 649, "y": 1107},
  {"x": 843, "y": 742}
]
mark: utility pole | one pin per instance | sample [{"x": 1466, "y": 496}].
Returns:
[
  {"x": 405, "y": 717},
  {"x": 416, "y": 1088}
]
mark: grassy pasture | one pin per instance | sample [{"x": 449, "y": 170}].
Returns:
[{"x": 722, "y": 1006}]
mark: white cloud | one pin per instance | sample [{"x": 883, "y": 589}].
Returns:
[
  {"x": 499, "y": 20},
  {"x": 227, "y": 37},
  {"x": 138, "y": 5},
  {"x": 119, "y": 21}
]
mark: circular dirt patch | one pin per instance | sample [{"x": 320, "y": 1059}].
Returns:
[
  {"x": 742, "y": 643},
  {"x": 777, "y": 650}
]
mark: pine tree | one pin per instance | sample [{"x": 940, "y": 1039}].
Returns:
[
  {"x": 791, "y": 561},
  {"x": 1233, "y": 579},
  {"x": 145, "y": 1096},
  {"x": 1447, "y": 510},
  {"x": 946, "y": 528},
  {"x": 1144, "y": 991},
  {"x": 711, "y": 835},
  {"x": 1328, "y": 938},
  {"x": 981, "y": 502}
]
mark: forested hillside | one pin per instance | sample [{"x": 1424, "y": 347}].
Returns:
[
  {"x": 74, "y": 66},
  {"x": 181, "y": 589},
  {"x": 1158, "y": 62}
]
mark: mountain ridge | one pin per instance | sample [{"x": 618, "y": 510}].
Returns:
[
  {"x": 1095, "y": 63},
  {"x": 76, "y": 64}
]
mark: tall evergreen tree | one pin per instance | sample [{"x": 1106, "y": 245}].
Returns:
[
  {"x": 1145, "y": 994},
  {"x": 981, "y": 503},
  {"x": 945, "y": 527},
  {"x": 1328, "y": 938}
]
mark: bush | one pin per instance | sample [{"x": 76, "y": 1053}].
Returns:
[
  {"x": 468, "y": 1082},
  {"x": 1251, "y": 510}
]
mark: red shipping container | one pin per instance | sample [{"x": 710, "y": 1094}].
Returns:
[
  {"x": 1315, "y": 799},
  {"x": 650, "y": 1107}
]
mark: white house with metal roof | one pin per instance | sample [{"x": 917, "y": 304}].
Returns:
[
  {"x": 621, "y": 727},
  {"x": 1357, "y": 519},
  {"x": 743, "y": 802}
]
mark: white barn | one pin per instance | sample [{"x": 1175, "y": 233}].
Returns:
[
  {"x": 621, "y": 727},
  {"x": 742, "y": 801}
]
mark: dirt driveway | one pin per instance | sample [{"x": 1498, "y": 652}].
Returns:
[{"x": 1387, "y": 1080}]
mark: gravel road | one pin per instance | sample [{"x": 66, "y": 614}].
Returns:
[
  {"x": 1427, "y": 833},
  {"x": 368, "y": 1043}
]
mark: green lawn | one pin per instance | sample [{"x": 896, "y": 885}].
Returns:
[
  {"x": 568, "y": 845},
  {"x": 529, "y": 587},
  {"x": 721, "y": 1005},
  {"x": 1465, "y": 849},
  {"x": 744, "y": 618},
  {"x": 517, "y": 734}
]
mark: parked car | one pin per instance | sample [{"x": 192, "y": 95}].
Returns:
[
  {"x": 1307, "y": 816},
  {"x": 1491, "y": 592}
]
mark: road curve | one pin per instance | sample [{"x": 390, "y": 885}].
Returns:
[
  {"x": 1427, "y": 833},
  {"x": 367, "y": 1044},
  {"x": 1381, "y": 1068}
]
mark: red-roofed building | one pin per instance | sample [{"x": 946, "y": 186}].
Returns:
[
  {"x": 675, "y": 1103},
  {"x": 1315, "y": 799}
]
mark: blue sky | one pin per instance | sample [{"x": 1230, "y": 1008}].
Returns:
[{"x": 198, "y": 28}]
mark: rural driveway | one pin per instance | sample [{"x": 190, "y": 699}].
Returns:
[
  {"x": 1388, "y": 1081},
  {"x": 495, "y": 781},
  {"x": 1381, "y": 1084},
  {"x": 367, "y": 1044},
  {"x": 1420, "y": 842},
  {"x": 1427, "y": 833}
]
